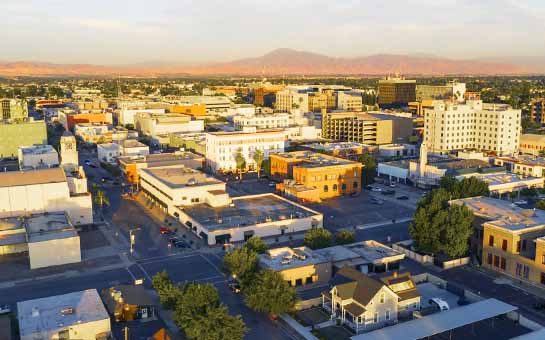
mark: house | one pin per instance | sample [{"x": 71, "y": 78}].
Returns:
[
  {"x": 364, "y": 303},
  {"x": 128, "y": 302}
]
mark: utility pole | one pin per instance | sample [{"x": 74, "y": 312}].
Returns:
[{"x": 132, "y": 238}]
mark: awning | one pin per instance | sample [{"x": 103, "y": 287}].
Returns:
[{"x": 440, "y": 322}]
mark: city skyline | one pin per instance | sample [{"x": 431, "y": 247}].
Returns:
[{"x": 186, "y": 32}]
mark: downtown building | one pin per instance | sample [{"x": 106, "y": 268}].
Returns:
[{"x": 491, "y": 128}]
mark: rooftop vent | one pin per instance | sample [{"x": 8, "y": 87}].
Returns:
[{"x": 67, "y": 311}]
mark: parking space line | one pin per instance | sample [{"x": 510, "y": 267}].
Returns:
[
  {"x": 131, "y": 274},
  {"x": 213, "y": 265},
  {"x": 166, "y": 257}
]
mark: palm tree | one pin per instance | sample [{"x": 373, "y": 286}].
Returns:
[
  {"x": 258, "y": 157},
  {"x": 101, "y": 199},
  {"x": 241, "y": 162}
]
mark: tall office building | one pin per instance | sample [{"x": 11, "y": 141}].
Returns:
[
  {"x": 453, "y": 91},
  {"x": 485, "y": 127},
  {"x": 367, "y": 128},
  {"x": 537, "y": 111},
  {"x": 396, "y": 91},
  {"x": 13, "y": 109}
]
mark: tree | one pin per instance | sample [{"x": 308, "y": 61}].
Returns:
[
  {"x": 169, "y": 293},
  {"x": 369, "y": 169},
  {"x": 241, "y": 263},
  {"x": 101, "y": 199},
  {"x": 256, "y": 244},
  {"x": 438, "y": 227},
  {"x": 529, "y": 192},
  {"x": 195, "y": 300},
  {"x": 216, "y": 324},
  {"x": 540, "y": 204},
  {"x": 241, "y": 163},
  {"x": 345, "y": 237},
  {"x": 270, "y": 293},
  {"x": 258, "y": 158},
  {"x": 317, "y": 238},
  {"x": 467, "y": 187}
]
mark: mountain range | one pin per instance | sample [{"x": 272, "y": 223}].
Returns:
[{"x": 288, "y": 62}]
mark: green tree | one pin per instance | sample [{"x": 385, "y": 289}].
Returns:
[
  {"x": 256, "y": 244},
  {"x": 456, "y": 231},
  {"x": 241, "y": 263},
  {"x": 169, "y": 293},
  {"x": 195, "y": 300},
  {"x": 467, "y": 187},
  {"x": 529, "y": 192},
  {"x": 101, "y": 199},
  {"x": 241, "y": 163},
  {"x": 317, "y": 238},
  {"x": 270, "y": 293},
  {"x": 216, "y": 324},
  {"x": 540, "y": 204},
  {"x": 369, "y": 170},
  {"x": 258, "y": 158},
  {"x": 345, "y": 237}
]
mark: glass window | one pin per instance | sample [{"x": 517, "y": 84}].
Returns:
[{"x": 326, "y": 188}]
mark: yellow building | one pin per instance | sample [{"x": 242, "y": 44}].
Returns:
[
  {"x": 324, "y": 100},
  {"x": 396, "y": 91},
  {"x": 194, "y": 110},
  {"x": 512, "y": 239},
  {"x": 532, "y": 144},
  {"x": 332, "y": 176}
]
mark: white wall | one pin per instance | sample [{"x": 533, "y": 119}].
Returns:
[{"x": 54, "y": 252}]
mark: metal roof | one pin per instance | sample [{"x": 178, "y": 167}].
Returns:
[{"x": 440, "y": 322}]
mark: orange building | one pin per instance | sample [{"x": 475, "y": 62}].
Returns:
[
  {"x": 190, "y": 109},
  {"x": 70, "y": 119},
  {"x": 302, "y": 171},
  {"x": 261, "y": 92}
]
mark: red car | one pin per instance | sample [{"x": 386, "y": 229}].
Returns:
[{"x": 165, "y": 231}]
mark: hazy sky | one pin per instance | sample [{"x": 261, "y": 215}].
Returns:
[{"x": 131, "y": 31}]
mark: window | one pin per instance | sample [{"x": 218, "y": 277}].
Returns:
[
  {"x": 518, "y": 246},
  {"x": 491, "y": 240},
  {"x": 523, "y": 245},
  {"x": 526, "y": 272},
  {"x": 382, "y": 297},
  {"x": 542, "y": 278},
  {"x": 503, "y": 263},
  {"x": 489, "y": 259},
  {"x": 355, "y": 185},
  {"x": 375, "y": 318},
  {"x": 518, "y": 271},
  {"x": 504, "y": 245},
  {"x": 496, "y": 261},
  {"x": 387, "y": 314},
  {"x": 334, "y": 187},
  {"x": 543, "y": 258},
  {"x": 343, "y": 186},
  {"x": 326, "y": 188}
]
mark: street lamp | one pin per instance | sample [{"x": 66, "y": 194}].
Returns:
[{"x": 132, "y": 238}]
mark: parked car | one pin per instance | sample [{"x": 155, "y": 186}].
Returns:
[
  {"x": 5, "y": 309},
  {"x": 272, "y": 184},
  {"x": 173, "y": 240},
  {"x": 376, "y": 201},
  {"x": 87, "y": 162},
  {"x": 93, "y": 166},
  {"x": 521, "y": 202},
  {"x": 392, "y": 185},
  {"x": 402, "y": 197},
  {"x": 181, "y": 244},
  {"x": 375, "y": 189},
  {"x": 388, "y": 192},
  {"x": 441, "y": 304},
  {"x": 234, "y": 286},
  {"x": 165, "y": 231},
  {"x": 368, "y": 187}
]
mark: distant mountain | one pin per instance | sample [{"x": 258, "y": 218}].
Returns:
[{"x": 291, "y": 62}]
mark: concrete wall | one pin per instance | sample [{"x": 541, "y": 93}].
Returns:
[
  {"x": 12, "y": 136},
  {"x": 54, "y": 252},
  {"x": 83, "y": 331}
]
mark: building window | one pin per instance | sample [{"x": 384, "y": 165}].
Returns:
[
  {"x": 326, "y": 188},
  {"x": 375, "y": 317},
  {"x": 518, "y": 246},
  {"x": 503, "y": 263},
  {"x": 526, "y": 272},
  {"x": 489, "y": 259},
  {"x": 334, "y": 187},
  {"x": 518, "y": 271},
  {"x": 343, "y": 186},
  {"x": 496, "y": 261},
  {"x": 523, "y": 245},
  {"x": 387, "y": 314},
  {"x": 542, "y": 278},
  {"x": 491, "y": 240},
  {"x": 382, "y": 298},
  {"x": 355, "y": 185},
  {"x": 504, "y": 245}
]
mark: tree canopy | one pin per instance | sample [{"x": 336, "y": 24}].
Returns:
[
  {"x": 241, "y": 263},
  {"x": 256, "y": 244},
  {"x": 369, "y": 170},
  {"x": 345, "y": 237},
  {"x": 317, "y": 238},
  {"x": 270, "y": 293}
]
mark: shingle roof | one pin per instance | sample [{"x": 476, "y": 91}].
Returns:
[
  {"x": 362, "y": 288},
  {"x": 354, "y": 309}
]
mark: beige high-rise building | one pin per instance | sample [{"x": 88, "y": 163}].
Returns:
[
  {"x": 350, "y": 101},
  {"x": 474, "y": 125},
  {"x": 367, "y": 128}
]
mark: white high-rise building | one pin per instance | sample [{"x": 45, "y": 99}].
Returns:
[
  {"x": 473, "y": 125},
  {"x": 69, "y": 151},
  {"x": 222, "y": 147}
]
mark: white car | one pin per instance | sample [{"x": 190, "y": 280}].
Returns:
[
  {"x": 521, "y": 202},
  {"x": 375, "y": 189},
  {"x": 441, "y": 304}
]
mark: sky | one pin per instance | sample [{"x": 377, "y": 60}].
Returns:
[{"x": 112, "y": 32}]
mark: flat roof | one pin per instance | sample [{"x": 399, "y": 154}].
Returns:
[
  {"x": 310, "y": 159},
  {"x": 440, "y": 322},
  {"x": 524, "y": 160},
  {"x": 45, "y": 314},
  {"x": 375, "y": 252},
  {"x": 531, "y": 137},
  {"x": 242, "y": 133},
  {"x": 38, "y": 149},
  {"x": 133, "y": 143},
  {"x": 504, "y": 178},
  {"x": 162, "y": 157},
  {"x": 286, "y": 258},
  {"x": 247, "y": 211},
  {"x": 31, "y": 177},
  {"x": 503, "y": 214},
  {"x": 48, "y": 226},
  {"x": 338, "y": 146},
  {"x": 181, "y": 177}
]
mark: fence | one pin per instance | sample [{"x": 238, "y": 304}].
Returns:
[
  {"x": 455, "y": 263},
  {"x": 305, "y": 304},
  {"x": 411, "y": 254}
]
